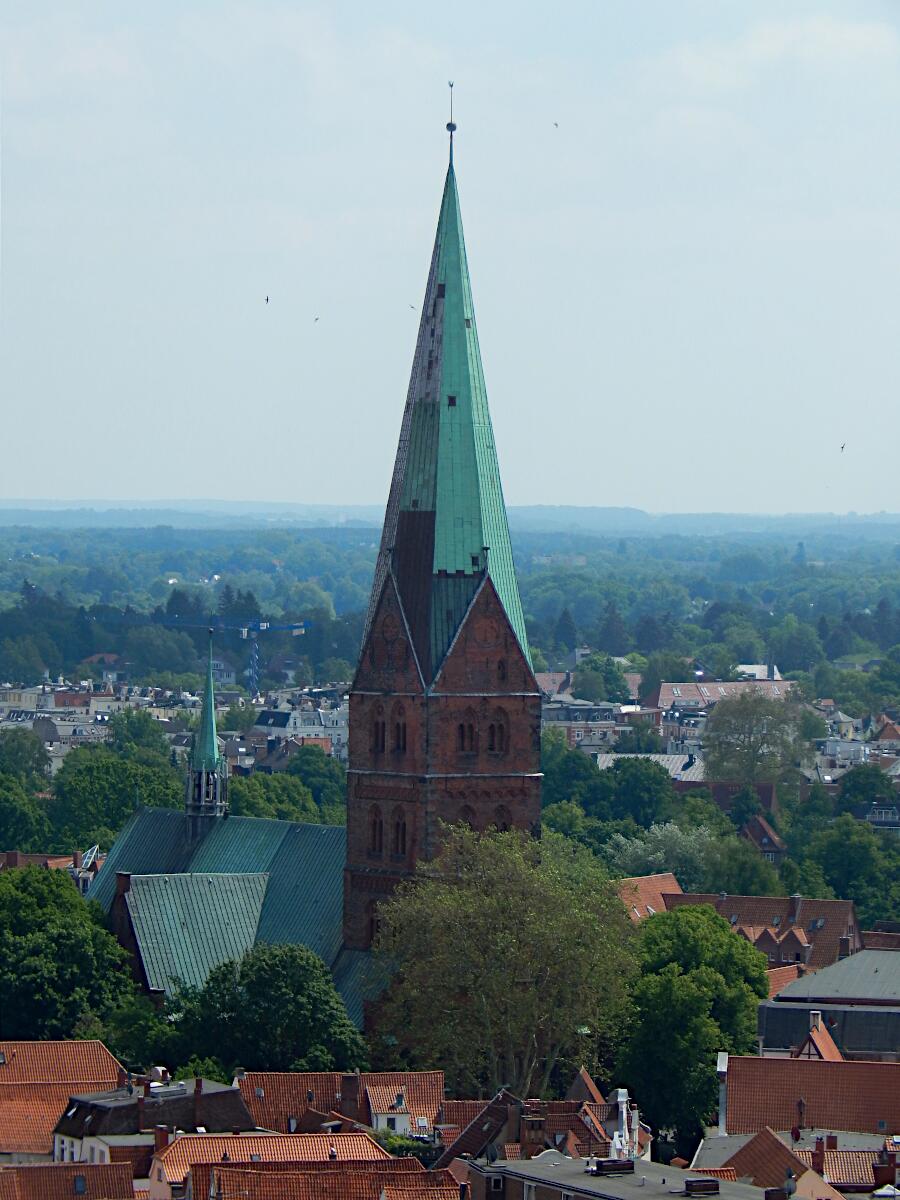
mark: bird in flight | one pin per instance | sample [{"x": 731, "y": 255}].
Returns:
[
  {"x": 315, "y": 320},
  {"x": 556, "y": 124},
  {"x": 413, "y": 307},
  {"x": 267, "y": 299},
  {"x": 843, "y": 444}
]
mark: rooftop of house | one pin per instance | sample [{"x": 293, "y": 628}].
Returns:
[
  {"x": 60, "y": 1181},
  {"x": 648, "y": 1180},
  {"x": 714, "y": 1151},
  {"x": 783, "y": 1093},
  {"x": 822, "y": 923},
  {"x": 643, "y": 895},
  {"x": 819, "y": 1044},
  {"x": 702, "y": 695},
  {"x": 36, "y": 1081},
  {"x": 867, "y": 977},
  {"x": 176, "y": 1159},
  {"x": 679, "y": 766},
  {"x": 780, "y": 977},
  {"x": 765, "y": 1161},
  {"x": 276, "y": 1098},
  {"x": 403, "y": 1178},
  {"x": 183, "y": 1105}
]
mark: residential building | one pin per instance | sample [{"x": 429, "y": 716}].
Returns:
[
  {"x": 701, "y": 697},
  {"x": 173, "y": 1160},
  {"x": 643, "y": 895},
  {"x": 766, "y": 1162},
  {"x": 63, "y": 1181},
  {"x": 787, "y": 929},
  {"x": 119, "y": 1125},
  {"x": 375, "y": 1179},
  {"x": 36, "y": 1081}
]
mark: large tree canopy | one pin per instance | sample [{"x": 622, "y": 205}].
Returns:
[
  {"x": 751, "y": 739},
  {"x": 511, "y": 960},
  {"x": 59, "y": 968}
]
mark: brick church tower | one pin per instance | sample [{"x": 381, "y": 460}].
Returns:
[{"x": 445, "y": 712}]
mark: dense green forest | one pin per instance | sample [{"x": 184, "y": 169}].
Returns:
[{"x": 148, "y": 594}]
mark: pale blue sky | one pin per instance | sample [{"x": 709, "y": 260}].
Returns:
[{"x": 688, "y": 295}]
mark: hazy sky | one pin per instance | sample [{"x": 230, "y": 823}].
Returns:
[{"x": 688, "y": 294}]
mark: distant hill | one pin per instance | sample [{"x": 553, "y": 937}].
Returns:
[{"x": 537, "y": 518}]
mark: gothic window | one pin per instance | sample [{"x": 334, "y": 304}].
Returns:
[
  {"x": 461, "y": 737},
  {"x": 470, "y": 737},
  {"x": 399, "y": 838},
  {"x": 379, "y": 732},
  {"x": 492, "y": 737},
  {"x": 399, "y": 730},
  {"x": 373, "y": 921},
  {"x": 467, "y": 816},
  {"x": 502, "y": 819},
  {"x": 501, "y": 670},
  {"x": 498, "y": 735},
  {"x": 376, "y": 830},
  {"x": 501, "y": 738}
]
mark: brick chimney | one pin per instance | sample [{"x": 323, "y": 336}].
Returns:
[
  {"x": 160, "y": 1138},
  {"x": 831, "y": 1141},
  {"x": 818, "y": 1156},
  {"x": 77, "y": 859},
  {"x": 350, "y": 1096},
  {"x": 844, "y": 946},
  {"x": 815, "y": 1020}
]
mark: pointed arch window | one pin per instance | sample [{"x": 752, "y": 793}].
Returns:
[
  {"x": 467, "y": 816},
  {"x": 399, "y": 730},
  {"x": 372, "y": 920},
  {"x": 376, "y": 831},
  {"x": 379, "y": 731},
  {"x": 501, "y": 671},
  {"x": 398, "y": 843},
  {"x": 503, "y": 819}
]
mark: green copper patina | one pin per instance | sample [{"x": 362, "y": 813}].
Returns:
[
  {"x": 205, "y": 755},
  {"x": 445, "y": 525}
]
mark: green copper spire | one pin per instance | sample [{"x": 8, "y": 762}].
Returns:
[
  {"x": 205, "y": 756},
  {"x": 445, "y": 526}
]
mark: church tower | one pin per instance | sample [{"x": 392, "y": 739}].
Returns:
[
  {"x": 206, "y": 793},
  {"x": 445, "y": 711}
]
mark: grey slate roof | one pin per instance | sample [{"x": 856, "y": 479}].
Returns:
[
  {"x": 675, "y": 764},
  {"x": 871, "y": 976}
]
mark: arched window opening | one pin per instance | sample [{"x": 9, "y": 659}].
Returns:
[
  {"x": 503, "y": 819},
  {"x": 379, "y": 729},
  {"x": 373, "y": 920},
  {"x": 461, "y": 737},
  {"x": 501, "y": 738},
  {"x": 470, "y": 737},
  {"x": 399, "y": 841},
  {"x": 492, "y": 737},
  {"x": 376, "y": 830},
  {"x": 501, "y": 670},
  {"x": 467, "y": 816}
]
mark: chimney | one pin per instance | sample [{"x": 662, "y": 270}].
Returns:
[
  {"x": 844, "y": 946},
  {"x": 831, "y": 1141},
  {"x": 123, "y": 883},
  {"x": 350, "y": 1096},
  {"x": 77, "y": 859},
  {"x": 815, "y": 1020},
  {"x": 794, "y": 912},
  {"x": 147, "y": 1086},
  {"x": 121, "y": 1077},
  {"x": 160, "y": 1138},
  {"x": 722, "y": 1072},
  {"x": 818, "y": 1156}
]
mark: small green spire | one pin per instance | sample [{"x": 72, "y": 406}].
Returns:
[{"x": 205, "y": 756}]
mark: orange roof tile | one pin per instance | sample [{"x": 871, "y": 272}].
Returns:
[
  {"x": 643, "y": 895},
  {"x": 58, "y": 1062},
  {"x": 726, "y": 1173},
  {"x": 845, "y": 1167},
  {"x": 584, "y": 1088},
  {"x": 29, "y": 1112},
  {"x": 422, "y": 1091},
  {"x": 320, "y": 1181},
  {"x": 780, "y": 977},
  {"x": 856, "y": 1096},
  {"x": 56, "y": 1181},
  {"x": 765, "y": 1160},
  {"x": 824, "y": 1045},
  {"x": 177, "y": 1157},
  {"x": 461, "y": 1112},
  {"x": 274, "y": 1097}
]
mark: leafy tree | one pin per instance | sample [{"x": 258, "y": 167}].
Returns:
[
  {"x": 534, "y": 977},
  {"x": 642, "y": 790},
  {"x": 865, "y": 784},
  {"x": 565, "y": 634},
  {"x": 599, "y": 677},
  {"x": 58, "y": 965},
  {"x": 571, "y": 775},
  {"x": 854, "y": 862},
  {"x": 335, "y": 670},
  {"x": 152, "y": 648},
  {"x": 662, "y": 667},
  {"x": 325, "y": 777},
  {"x": 667, "y": 847},
  {"x": 698, "y": 994},
  {"x": 612, "y": 636},
  {"x": 23, "y": 824},
  {"x": 238, "y": 718},
  {"x": 639, "y": 739},
  {"x": 133, "y": 730},
  {"x": 744, "y": 806},
  {"x": 734, "y": 865},
  {"x": 97, "y": 790},
  {"x": 750, "y": 738},
  {"x": 203, "y": 1068},
  {"x": 22, "y": 755},
  {"x": 275, "y": 1010},
  {"x": 281, "y": 797}
]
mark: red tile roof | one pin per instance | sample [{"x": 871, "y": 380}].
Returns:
[
  {"x": 36, "y": 1081},
  {"x": 321, "y": 1181},
  {"x": 422, "y": 1091},
  {"x": 845, "y": 1168},
  {"x": 726, "y": 1173},
  {"x": 780, "y": 977},
  {"x": 176, "y": 1159},
  {"x": 820, "y": 923},
  {"x": 461, "y": 1112},
  {"x": 765, "y": 1160},
  {"x": 699, "y": 696},
  {"x": 138, "y": 1157},
  {"x": 274, "y": 1097},
  {"x": 857, "y": 1096},
  {"x": 822, "y": 1044},
  {"x": 56, "y": 1181},
  {"x": 584, "y": 1088},
  {"x": 643, "y": 895},
  {"x": 879, "y": 939}
]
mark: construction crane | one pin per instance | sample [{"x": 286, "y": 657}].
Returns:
[{"x": 249, "y": 629}]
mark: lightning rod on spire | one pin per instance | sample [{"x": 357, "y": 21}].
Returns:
[{"x": 451, "y": 127}]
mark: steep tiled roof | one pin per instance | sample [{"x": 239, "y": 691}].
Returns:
[
  {"x": 423, "y": 1094},
  {"x": 355, "y": 1184},
  {"x": 176, "y": 1159},
  {"x": 780, "y": 977},
  {"x": 702, "y": 695},
  {"x": 56, "y": 1181},
  {"x": 765, "y": 1160},
  {"x": 483, "y": 1129},
  {"x": 820, "y": 922},
  {"x": 404, "y": 1172},
  {"x": 461, "y": 1112},
  {"x": 854, "y": 1095},
  {"x": 879, "y": 939},
  {"x": 643, "y": 895},
  {"x": 820, "y": 1042},
  {"x": 273, "y": 1097},
  {"x": 728, "y": 1173},
  {"x": 36, "y": 1081},
  {"x": 845, "y": 1168}
]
